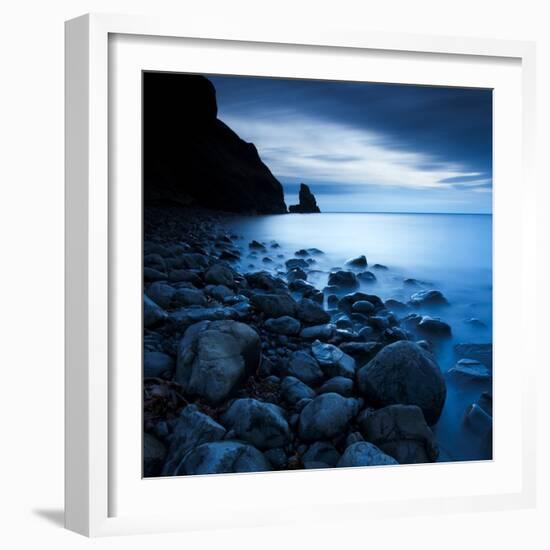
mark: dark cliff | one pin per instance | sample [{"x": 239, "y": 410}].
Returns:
[
  {"x": 190, "y": 157},
  {"x": 308, "y": 204}
]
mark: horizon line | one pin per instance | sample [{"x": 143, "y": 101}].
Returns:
[{"x": 402, "y": 212}]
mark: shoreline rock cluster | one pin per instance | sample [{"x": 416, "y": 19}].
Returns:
[{"x": 259, "y": 371}]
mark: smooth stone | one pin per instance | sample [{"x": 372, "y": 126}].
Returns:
[
  {"x": 293, "y": 390},
  {"x": 322, "y": 451},
  {"x": 214, "y": 357},
  {"x": 157, "y": 364},
  {"x": 470, "y": 370},
  {"x": 220, "y": 274},
  {"x": 404, "y": 373},
  {"x": 338, "y": 384},
  {"x": 343, "y": 280},
  {"x": 189, "y": 297},
  {"x": 161, "y": 293},
  {"x": 296, "y": 274},
  {"x": 152, "y": 313},
  {"x": 303, "y": 366},
  {"x": 359, "y": 261},
  {"x": 478, "y": 421},
  {"x": 347, "y": 301},
  {"x": 152, "y": 275},
  {"x": 311, "y": 313},
  {"x": 364, "y": 454},
  {"x": 361, "y": 350},
  {"x": 429, "y": 298},
  {"x": 479, "y": 352},
  {"x": 362, "y": 306},
  {"x": 262, "y": 280},
  {"x": 381, "y": 267},
  {"x": 277, "y": 458},
  {"x": 294, "y": 263},
  {"x": 223, "y": 457},
  {"x": 260, "y": 424},
  {"x": 191, "y": 428},
  {"x": 367, "y": 277},
  {"x": 435, "y": 328},
  {"x": 274, "y": 305},
  {"x": 326, "y": 416},
  {"x": 255, "y": 245},
  {"x": 401, "y": 432},
  {"x": 283, "y": 325},
  {"x": 332, "y": 360},
  {"x": 396, "y": 305},
  {"x": 318, "y": 332},
  {"x": 218, "y": 292},
  {"x": 190, "y": 315}
]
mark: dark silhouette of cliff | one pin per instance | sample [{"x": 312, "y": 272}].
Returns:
[
  {"x": 190, "y": 157},
  {"x": 308, "y": 204}
]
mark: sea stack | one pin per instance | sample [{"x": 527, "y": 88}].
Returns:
[
  {"x": 308, "y": 204},
  {"x": 191, "y": 158}
]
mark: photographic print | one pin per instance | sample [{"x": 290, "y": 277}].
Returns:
[{"x": 317, "y": 274}]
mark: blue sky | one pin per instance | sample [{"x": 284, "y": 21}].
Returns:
[{"x": 365, "y": 147}]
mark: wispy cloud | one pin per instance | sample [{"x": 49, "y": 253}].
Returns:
[{"x": 313, "y": 149}]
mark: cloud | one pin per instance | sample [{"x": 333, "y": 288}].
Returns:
[{"x": 294, "y": 145}]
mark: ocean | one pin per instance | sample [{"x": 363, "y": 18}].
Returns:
[{"x": 448, "y": 252}]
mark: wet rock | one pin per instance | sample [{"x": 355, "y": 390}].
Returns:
[
  {"x": 294, "y": 390},
  {"x": 152, "y": 314},
  {"x": 188, "y": 297},
  {"x": 191, "y": 428},
  {"x": 322, "y": 452},
  {"x": 213, "y": 357},
  {"x": 478, "y": 352},
  {"x": 478, "y": 421},
  {"x": 274, "y": 305},
  {"x": 277, "y": 458},
  {"x": 346, "y": 303},
  {"x": 154, "y": 453},
  {"x": 396, "y": 305},
  {"x": 429, "y": 298},
  {"x": 255, "y": 245},
  {"x": 261, "y": 424},
  {"x": 296, "y": 263},
  {"x": 332, "y": 300},
  {"x": 404, "y": 373},
  {"x": 157, "y": 365},
  {"x": 435, "y": 328},
  {"x": 469, "y": 370},
  {"x": 151, "y": 275},
  {"x": 220, "y": 274},
  {"x": 311, "y": 313},
  {"x": 401, "y": 432},
  {"x": 302, "y": 253},
  {"x": 359, "y": 261},
  {"x": 283, "y": 325},
  {"x": 332, "y": 360},
  {"x": 362, "y": 306},
  {"x": 364, "y": 454},
  {"x": 367, "y": 277},
  {"x": 218, "y": 292},
  {"x": 315, "y": 251},
  {"x": 326, "y": 416},
  {"x": 344, "y": 280},
  {"x": 380, "y": 267},
  {"x": 319, "y": 332},
  {"x": 303, "y": 366},
  {"x": 223, "y": 457},
  {"x": 338, "y": 384},
  {"x": 161, "y": 293},
  {"x": 361, "y": 351},
  {"x": 187, "y": 316},
  {"x": 296, "y": 274}
]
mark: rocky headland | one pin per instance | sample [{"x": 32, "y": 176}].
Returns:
[
  {"x": 307, "y": 203},
  {"x": 257, "y": 370}
]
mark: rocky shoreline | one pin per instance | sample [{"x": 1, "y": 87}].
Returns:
[{"x": 261, "y": 370}]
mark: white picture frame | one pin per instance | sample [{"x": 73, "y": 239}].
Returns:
[{"x": 94, "y": 402}]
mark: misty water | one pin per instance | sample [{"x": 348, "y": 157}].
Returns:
[{"x": 448, "y": 252}]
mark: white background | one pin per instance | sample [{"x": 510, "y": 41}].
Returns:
[{"x": 31, "y": 275}]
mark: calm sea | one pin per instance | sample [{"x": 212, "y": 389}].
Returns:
[{"x": 448, "y": 252}]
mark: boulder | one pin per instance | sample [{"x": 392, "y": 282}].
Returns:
[
  {"x": 188, "y": 297},
  {"x": 296, "y": 263},
  {"x": 311, "y": 313},
  {"x": 434, "y": 328},
  {"x": 404, "y": 373},
  {"x": 327, "y": 416},
  {"x": 260, "y": 424},
  {"x": 152, "y": 314},
  {"x": 361, "y": 351},
  {"x": 479, "y": 352},
  {"x": 262, "y": 280},
  {"x": 214, "y": 357},
  {"x": 429, "y": 298},
  {"x": 346, "y": 303},
  {"x": 367, "y": 277},
  {"x": 401, "y": 432},
  {"x": 318, "y": 332},
  {"x": 220, "y": 274},
  {"x": 223, "y": 457},
  {"x": 469, "y": 370},
  {"x": 344, "y": 280},
  {"x": 274, "y": 305},
  {"x": 307, "y": 204},
  {"x": 157, "y": 364},
  {"x": 332, "y": 360},
  {"x": 359, "y": 261},
  {"x": 161, "y": 293},
  {"x": 321, "y": 452},
  {"x": 283, "y": 325},
  {"x": 303, "y": 366},
  {"x": 192, "y": 157},
  {"x": 294, "y": 390},
  {"x": 363, "y": 306},
  {"x": 218, "y": 292},
  {"x": 191, "y": 428},
  {"x": 362, "y": 453},
  {"x": 296, "y": 274},
  {"x": 338, "y": 384}
]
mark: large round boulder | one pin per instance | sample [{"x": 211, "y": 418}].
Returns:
[
  {"x": 223, "y": 457},
  {"x": 304, "y": 367},
  {"x": 404, "y": 373},
  {"x": 214, "y": 356},
  {"x": 327, "y": 416},
  {"x": 311, "y": 313},
  {"x": 344, "y": 280},
  {"x": 274, "y": 305},
  {"x": 261, "y": 424}
]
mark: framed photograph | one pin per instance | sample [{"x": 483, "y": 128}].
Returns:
[{"x": 290, "y": 264}]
